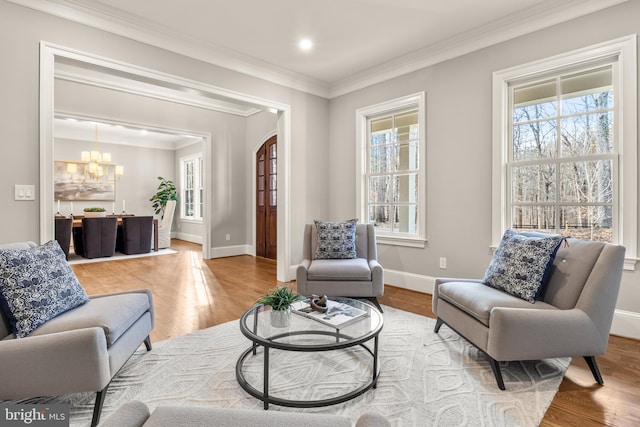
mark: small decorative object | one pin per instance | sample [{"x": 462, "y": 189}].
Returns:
[
  {"x": 280, "y": 300},
  {"x": 95, "y": 212},
  {"x": 318, "y": 304}
]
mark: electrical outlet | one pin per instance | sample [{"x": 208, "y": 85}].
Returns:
[
  {"x": 443, "y": 263},
  {"x": 228, "y": 237}
]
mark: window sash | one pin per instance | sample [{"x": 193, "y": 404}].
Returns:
[{"x": 192, "y": 189}]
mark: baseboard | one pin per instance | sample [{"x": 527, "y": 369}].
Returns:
[
  {"x": 224, "y": 251},
  {"x": 193, "y": 238},
  {"x": 411, "y": 281},
  {"x": 626, "y": 324}
]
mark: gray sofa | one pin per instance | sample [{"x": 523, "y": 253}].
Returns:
[
  {"x": 79, "y": 350},
  {"x": 572, "y": 319},
  {"x": 137, "y": 414}
]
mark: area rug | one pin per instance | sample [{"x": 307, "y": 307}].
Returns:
[
  {"x": 426, "y": 379},
  {"x": 77, "y": 259}
]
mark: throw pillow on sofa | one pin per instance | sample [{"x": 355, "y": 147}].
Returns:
[
  {"x": 36, "y": 285},
  {"x": 521, "y": 264}
]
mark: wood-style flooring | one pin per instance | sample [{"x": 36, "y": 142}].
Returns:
[{"x": 191, "y": 293}]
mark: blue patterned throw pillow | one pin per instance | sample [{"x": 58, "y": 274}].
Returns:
[
  {"x": 336, "y": 240},
  {"x": 36, "y": 285},
  {"x": 521, "y": 264}
]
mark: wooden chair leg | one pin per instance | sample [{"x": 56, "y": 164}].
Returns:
[
  {"x": 439, "y": 323},
  {"x": 495, "y": 367},
  {"x": 147, "y": 343},
  {"x": 97, "y": 408},
  {"x": 591, "y": 361}
]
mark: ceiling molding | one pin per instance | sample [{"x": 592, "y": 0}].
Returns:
[
  {"x": 510, "y": 27},
  {"x": 109, "y": 19}
]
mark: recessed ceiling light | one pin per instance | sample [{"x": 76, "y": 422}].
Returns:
[{"x": 305, "y": 44}]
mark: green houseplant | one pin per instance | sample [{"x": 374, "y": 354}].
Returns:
[
  {"x": 280, "y": 300},
  {"x": 166, "y": 191}
]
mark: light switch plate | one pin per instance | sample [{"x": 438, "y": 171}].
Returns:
[{"x": 25, "y": 192}]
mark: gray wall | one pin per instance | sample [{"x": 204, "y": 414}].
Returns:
[{"x": 458, "y": 121}]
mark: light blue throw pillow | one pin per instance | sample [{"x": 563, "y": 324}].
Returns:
[
  {"x": 336, "y": 240},
  {"x": 36, "y": 285},
  {"x": 521, "y": 264}
]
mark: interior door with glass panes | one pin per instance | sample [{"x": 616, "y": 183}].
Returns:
[{"x": 267, "y": 200}]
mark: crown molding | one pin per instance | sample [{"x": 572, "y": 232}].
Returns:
[
  {"x": 102, "y": 17},
  {"x": 537, "y": 18},
  {"x": 110, "y": 19}
]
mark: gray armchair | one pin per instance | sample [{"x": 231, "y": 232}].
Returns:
[
  {"x": 362, "y": 276},
  {"x": 572, "y": 319},
  {"x": 79, "y": 350}
]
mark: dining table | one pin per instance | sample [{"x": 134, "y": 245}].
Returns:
[{"x": 77, "y": 222}]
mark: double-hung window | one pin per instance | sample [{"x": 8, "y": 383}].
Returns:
[
  {"x": 392, "y": 170},
  {"x": 192, "y": 189},
  {"x": 563, "y": 147}
]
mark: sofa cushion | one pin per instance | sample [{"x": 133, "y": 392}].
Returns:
[
  {"x": 339, "y": 269},
  {"x": 521, "y": 264},
  {"x": 36, "y": 285},
  {"x": 336, "y": 240},
  {"x": 115, "y": 315},
  {"x": 477, "y": 299}
]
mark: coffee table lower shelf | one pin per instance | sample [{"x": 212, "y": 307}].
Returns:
[{"x": 267, "y": 399}]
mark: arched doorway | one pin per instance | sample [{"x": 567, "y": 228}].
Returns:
[{"x": 267, "y": 200}]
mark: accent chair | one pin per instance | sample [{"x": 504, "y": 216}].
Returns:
[{"x": 571, "y": 317}]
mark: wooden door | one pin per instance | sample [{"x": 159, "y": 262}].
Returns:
[{"x": 267, "y": 200}]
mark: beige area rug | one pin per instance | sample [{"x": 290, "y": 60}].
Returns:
[
  {"x": 425, "y": 380},
  {"x": 77, "y": 259}
]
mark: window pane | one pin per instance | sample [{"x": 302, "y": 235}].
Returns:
[
  {"x": 380, "y": 190},
  {"x": 407, "y": 158},
  {"x": 407, "y": 219},
  {"x": 535, "y": 140},
  {"x": 406, "y": 188},
  {"x": 588, "y": 222},
  {"x": 587, "y": 182},
  {"x": 587, "y": 134},
  {"x": 273, "y": 199},
  {"x": 379, "y": 215},
  {"x": 535, "y": 101},
  {"x": 534, "y": 218},
  {"x": 407, "y": 126},
  {"x": 587, "y": 90},
  {"x": 531, "y": 184},
  {"x": 381, "y": 159}
]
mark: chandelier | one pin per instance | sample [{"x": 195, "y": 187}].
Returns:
[{"x": 96, "y": 164}]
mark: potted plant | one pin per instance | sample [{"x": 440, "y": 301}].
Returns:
[
  {"x": 280, "y": 300},
  {"x": 166, "y": 191},
  {"x": 95, "y": 212}
]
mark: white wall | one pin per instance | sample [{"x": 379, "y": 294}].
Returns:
[{"x": 458, "y": 121}]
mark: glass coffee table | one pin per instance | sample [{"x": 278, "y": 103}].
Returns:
[{"x": 306, "y": 334}]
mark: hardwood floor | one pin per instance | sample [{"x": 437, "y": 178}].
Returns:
[{"x": 191, "y": 293}]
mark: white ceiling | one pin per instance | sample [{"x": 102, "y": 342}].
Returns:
[
  {"x": 357, "y": 42},
  {"x": 115, "y": 133}
]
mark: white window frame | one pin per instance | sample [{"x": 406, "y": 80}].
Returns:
[
  {"x": 625, "y": 111},
  {"x": 416, "y": 101},
  {"x": 198, "y": 178}
]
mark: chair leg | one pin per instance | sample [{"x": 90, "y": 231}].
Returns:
[
  {"x": 591, "y": 361},
  {"x": 375, "y": 302},
  {"x": 495, "y": 367},
  {"x": 439, "y": 323},
  {"x": 97, "y": 408},
  {"x": 147, "y": 343}
]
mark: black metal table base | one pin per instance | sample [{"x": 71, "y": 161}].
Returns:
[{"x": 268, "y": 399}]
